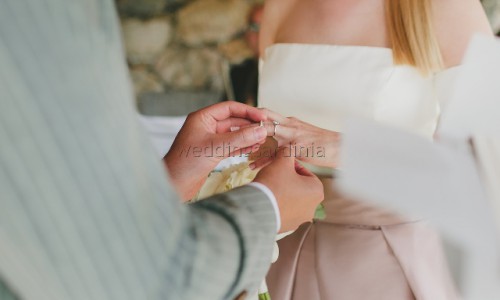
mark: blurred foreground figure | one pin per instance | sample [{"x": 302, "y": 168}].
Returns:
[
  {"x": 86, "y": 211},
  {"x": 453, "y": 182}
]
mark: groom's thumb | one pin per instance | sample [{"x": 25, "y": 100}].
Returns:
[{"x": 244, "y": 137}]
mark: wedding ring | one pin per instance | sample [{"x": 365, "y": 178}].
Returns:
[{"x": 275, "y": 123}]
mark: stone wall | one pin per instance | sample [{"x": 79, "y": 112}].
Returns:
[{"x": 177, "y": 48}]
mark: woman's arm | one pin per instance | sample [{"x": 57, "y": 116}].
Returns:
[{"x": 455, "y": 23}]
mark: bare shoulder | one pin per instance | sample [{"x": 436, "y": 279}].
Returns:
[
  {"x": 274, "y": 12},
  {"x": 455, "y": 23}
]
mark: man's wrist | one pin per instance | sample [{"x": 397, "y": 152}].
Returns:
[
  {"x": 272, "y": 199},
  {"x": 181, "y": 178}
]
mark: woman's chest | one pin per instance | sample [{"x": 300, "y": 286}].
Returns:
[
  {"x": 336, "y": 22},
  {"x": 325, "y": 85}
]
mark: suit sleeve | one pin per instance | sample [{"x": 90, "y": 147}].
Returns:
[
  {"x": 249, "y": 218},
  {"x": 86, "y": 211}
]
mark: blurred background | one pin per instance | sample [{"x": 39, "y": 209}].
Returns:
[
  {"x": 187, "y": 54},
  {"x": 184, "y": 55}
]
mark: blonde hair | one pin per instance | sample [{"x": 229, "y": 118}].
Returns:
[{"x": 412, "y": 36}]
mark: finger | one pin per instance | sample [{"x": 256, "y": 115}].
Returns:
[
  {"x": 261, "y": 163},
  {"x": 228, "y": 109},
  {"x": 244, "y": 151},
  {"x": 263, "y": 142},
  {"x": 227, "y": 124},
  {"x": 243, "y": 138},
  {"x": 279, "y": 131},
  {"x": 273, "y": 116},
  {"x": 269, "y": 126},
  {"x": 301, "y": 170},
  {"x": 282, "y": 133}
]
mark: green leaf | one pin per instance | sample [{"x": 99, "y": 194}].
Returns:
[{"x": 320, "y": 214}]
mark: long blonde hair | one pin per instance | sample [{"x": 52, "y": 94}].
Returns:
[{"x": 412, "y": 35}]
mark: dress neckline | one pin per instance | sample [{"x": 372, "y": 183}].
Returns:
[
  {"x": 374, "y": 49},
  {"x": 333, "y": 46}
]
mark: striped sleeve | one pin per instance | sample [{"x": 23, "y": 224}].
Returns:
[
  {"x": 86, "y": 211},
  {"x": 6, "y": 293},
  {"x": 251, "y": 215}
]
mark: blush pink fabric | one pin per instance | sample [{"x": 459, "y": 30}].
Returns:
[{"x": 360, "y": 252}]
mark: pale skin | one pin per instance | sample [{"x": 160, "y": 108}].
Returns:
[{"x": 354, "y": 23}]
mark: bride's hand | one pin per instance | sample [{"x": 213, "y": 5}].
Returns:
[{"x": 306, "y": 142}]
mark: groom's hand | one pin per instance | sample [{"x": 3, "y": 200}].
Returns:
[
  {"x": 297, "y": 190},
  {"x": 207, "y": 137}
]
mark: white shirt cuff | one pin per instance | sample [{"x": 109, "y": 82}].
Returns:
[{"x": 272, "y": 198}]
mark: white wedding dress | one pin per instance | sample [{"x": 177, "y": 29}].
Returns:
[{"x": 358, "y": 251}]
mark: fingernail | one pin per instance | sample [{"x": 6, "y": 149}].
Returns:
[
  {"x": 260, "y": 133},
  {"x": 252, "y": 166}
]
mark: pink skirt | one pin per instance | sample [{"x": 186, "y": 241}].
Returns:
[{"x": 360, "y": 252}]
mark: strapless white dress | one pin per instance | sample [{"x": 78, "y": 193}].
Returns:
[{"x": 358, "y": 251}]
